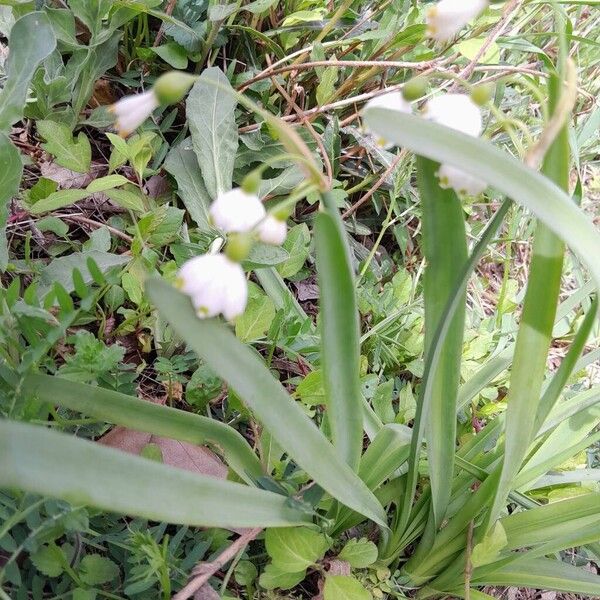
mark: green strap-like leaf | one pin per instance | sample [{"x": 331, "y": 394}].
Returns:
[
  {"x": 11, "y": 169},
  {"x": 127, "y": 411},
  {"x": 247, "y": 374},
  {"x": 482, "y": 159},
  {"x": 42, "y": 461},
  {"x": 339, "y": 336}
]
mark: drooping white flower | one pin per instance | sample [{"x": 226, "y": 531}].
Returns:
[
  {"x": 236, "y": 211},
  {"x": 448, "y": 17},
  {"x": 392, "y": 101},
  {"x": 459, "y": 181},
  {"x": 215, "y": 285},
  {"x": 272, "y": 231},
  {"x": 132, "y": 111},
  {"x": 456, "y": 111}
]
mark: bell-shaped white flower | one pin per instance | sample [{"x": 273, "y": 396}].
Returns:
[
  {"x": 459, "y": 181},
  {"x": 131, "y": 111},
  {"x": 448, "y": 17},
  {"x": 456, "y": 111},
  {"x": 215, "y": 284},
  {"x": 236, "y": 211},
  {"x": 272, "y": 230},
  {"x": 392, "y": 101}
]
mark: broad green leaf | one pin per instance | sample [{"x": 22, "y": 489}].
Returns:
[
  {"x": 257, "y": 318},
  {"x": 11, "y": 169},
  {"x": 74, "y": 154},
  {"x": 344, "y": 587},
  {"x": 49, "y": 560},
  {"x": 297, "y": 245},
  {"x": 95, "y": 475},
  {"x": 182, "y": 163},
  {"x": 211, "y": 117},
  {"x": 359, "y": 553},
  {"x": 259, "y": 6},
  {"x": 480, "y": 158},
  {"x": 173, "y": 54},
  {"x": 58, "y": 200},
  {"x": 469, "y": 49},
  {"x": 275, "y": 578},
  {"x": 340, "y": 348},
  {"x": 139, "y": 415},
  {"x": 241, "y": 368},
  {"x": 90, "y": 13},
  {"x": 127, "y": 199},
  {"x": 106, "y": 183},
  {"x": 31, "y": 41},
  {"x": 326, "y": 86},
  {"x": 265, "y": 255},
  {"x": 445, "y": 251},
  {"x": 294, "y": 549},
  {"x": 95, "y": 569}
]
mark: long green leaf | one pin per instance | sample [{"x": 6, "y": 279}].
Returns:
[
  {"x": 247, "y": 374},
  {"x": 544, "y": 573},
  {"x": 445, "y": 251},
  {"x": 210, "y": 111},
  {"x": 42, "y": 461},
  {"x": 480, "y": 158},
  {"x": 131, "y": 412},
  {"x": 340, "y": 348}
]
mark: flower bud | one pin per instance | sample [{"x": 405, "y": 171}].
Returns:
[
  {"x": 131, "y": 111},
  {"x": 171, "y": 87},
  {"x": 448, "y": 17},
  {"x": 238, "y": 246},
  {"x": 414, "y": 88},
  {"x": 272, "y": 231},
  {"x": 236, "y": 211},
  {"x": 482, "y": 94}
]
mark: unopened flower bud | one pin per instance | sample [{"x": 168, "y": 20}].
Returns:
[{"x": 171, "y": 87}]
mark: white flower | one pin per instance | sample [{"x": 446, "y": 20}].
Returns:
[
  {"x": 448, "y": 17},
  {"x": 132, "y": 111},
  {"x": 215, "y": 285},
  {"x": 456, "y": 111},
  {"x": 272, "y": 231},
  {"x": 236, "y": 211},
  {"x": 459, "y": 181},
  {"x": 392, "y": 101}
]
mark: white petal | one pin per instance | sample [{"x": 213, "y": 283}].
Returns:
[
  {"x": 234, "y": 302},
  {"x": 459, "y": 181},
  {"x": 132, "y": 111},
  {"x": 272, "y": 231},
  {"x": 448, "y": 17},
  {"x": 391, "y": 101},
  {"x": 456, "y": 111},
  {"x": 236, "y": 211}
]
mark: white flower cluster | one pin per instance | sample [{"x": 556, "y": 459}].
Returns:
[
  {"x": 448, "y": 17},
  {"x": 216, "y": 283},
  {"x": 456, "y": 111}
]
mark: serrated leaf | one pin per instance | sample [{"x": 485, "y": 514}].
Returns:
[
  {"x": 294, "y": 549},
  {"x": 211, "y": 116},
  {"x": 71, "y": 153},
  {"x": 275, "y": 578},
  {"x": 49, "y": 560},
  {"x": 95, "y": 569},
  {"x": 359, "y": 553},
  {"x": 344, "y": 587}
]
